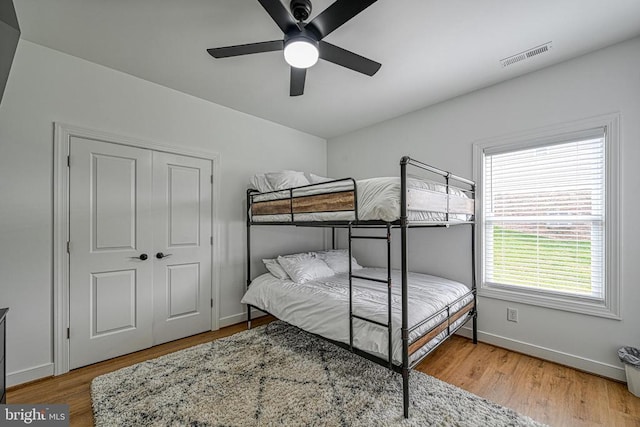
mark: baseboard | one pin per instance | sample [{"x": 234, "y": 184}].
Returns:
[
  {"x": 571, "y": 360},
  {"x": 239, "y": 317},
  {"x": 47, "y": 370},
  {"x": 577, "y": 362},
  {"x": 232, "y": 320},
  {"x": 29, "y": 374}
]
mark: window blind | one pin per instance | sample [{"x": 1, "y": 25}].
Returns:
[{"x": 544, "y": 214}]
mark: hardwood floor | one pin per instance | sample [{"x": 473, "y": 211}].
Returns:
[{"x": 545, "y": 391}]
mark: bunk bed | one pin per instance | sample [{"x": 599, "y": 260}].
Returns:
[{"x": 412, "y": 200}]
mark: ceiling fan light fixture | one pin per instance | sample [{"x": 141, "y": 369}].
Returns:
[
  {"x": 301, "y": 52},
  {"x": 303, "y": 42}
]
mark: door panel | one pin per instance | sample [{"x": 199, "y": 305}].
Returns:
[
  {"x": 184, "y": 205},
  {"x": 182, "y": 212},
  {"x": 114, "y": 197},
  {"x": 183, "y": 283},
  {"x": 110, "y": 289},
  {"x": 113, "y": 302}
]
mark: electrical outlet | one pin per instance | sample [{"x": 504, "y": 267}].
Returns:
[{"x": 512, "y": 314}]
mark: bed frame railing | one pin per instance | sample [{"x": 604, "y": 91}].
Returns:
[
  {"x": 321, "y": 201},
  {"x": 457, "y": 311}
]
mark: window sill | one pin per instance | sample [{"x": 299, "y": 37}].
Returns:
[{"x": 555, "y": 301}]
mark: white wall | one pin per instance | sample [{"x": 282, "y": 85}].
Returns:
[
  {"x": 46, "y": 86},
  {"x": 602, "y": 82}
]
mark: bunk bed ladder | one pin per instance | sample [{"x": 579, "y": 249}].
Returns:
[{"x": 352, "y": 316}]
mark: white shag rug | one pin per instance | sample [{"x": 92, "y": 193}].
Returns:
[{"x": 279, "y": 375}]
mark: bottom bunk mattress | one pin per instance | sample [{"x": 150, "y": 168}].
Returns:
[{"x": 322, "y": 307}]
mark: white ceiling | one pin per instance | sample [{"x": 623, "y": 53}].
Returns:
[{"x": 430, "y": 50}]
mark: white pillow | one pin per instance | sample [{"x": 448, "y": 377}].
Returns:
[
  {"x": 275, "y": 269},
  {"x": 304, "y": 269},
  {"x": 298, "y": 257},
  {"x": 337, "y": 260},
  {"x": 317, "y": 179},
  {"x": 286, "y": 179},
  {"x": 301, "y": 255},
  {"x": 259, "y": 182}
]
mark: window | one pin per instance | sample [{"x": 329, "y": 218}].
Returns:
[{"x": 548, "y": 217}]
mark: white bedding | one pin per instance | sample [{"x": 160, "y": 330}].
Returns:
[
  {"x": 379, "y": 199},
  {"x": 322, "y": 306}
]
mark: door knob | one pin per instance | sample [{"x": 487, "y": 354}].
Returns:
[
  {"x": 142, "y": 257},
  {"x": 160, "y": 255}
]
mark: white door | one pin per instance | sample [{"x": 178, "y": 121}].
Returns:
[
  {"x": 140, "y": 253},
  {"x": 182, "y": 246},
  {"x": 110, "y": 289}
]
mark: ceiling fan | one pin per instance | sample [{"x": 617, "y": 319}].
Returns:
[{"x": 302, "y": 43}]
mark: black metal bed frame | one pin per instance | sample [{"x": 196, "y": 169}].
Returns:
[{"x": 403, "y": 224}]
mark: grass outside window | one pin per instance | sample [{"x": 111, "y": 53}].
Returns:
[{"x": 535, "y": 261}]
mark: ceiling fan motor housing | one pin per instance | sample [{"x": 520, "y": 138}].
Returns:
[
  {"x": 304, "y": 35},
  {"x": 301, "y": 9}
]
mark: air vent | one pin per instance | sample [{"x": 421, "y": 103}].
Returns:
[{"x": 534, "y": 51}]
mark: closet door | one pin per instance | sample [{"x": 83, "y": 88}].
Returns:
[
  {"x": 182, "y": 241},
  {"x": 111, "y": 244},
  {"x": 140, "y": 249}
]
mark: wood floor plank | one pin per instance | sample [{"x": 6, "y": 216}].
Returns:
[{"x": 548, "y": 392}]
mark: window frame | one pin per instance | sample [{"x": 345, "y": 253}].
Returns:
[{"x": 609, "y": 306}]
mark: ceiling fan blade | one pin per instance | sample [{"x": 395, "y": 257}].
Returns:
[
  {"x": 279, "y": 14},
  {"x": 298, "y": 76},
  {"x": 246, "y": 49},
  {"x": 335, "y": 15},
  {"x": 348, "y": 59}
]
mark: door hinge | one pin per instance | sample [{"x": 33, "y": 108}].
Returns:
[
  {"x": 68, "y": 247},
  {"x": 211, "y": 302},
  {"x": 68, "y": 333},
  {"x": 212, "y": 179},
  {"x": 68, "y": 161},
  {"x": 211, "y": 240}
]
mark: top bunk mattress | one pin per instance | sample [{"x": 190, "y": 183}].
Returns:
[{"x": 374, "y": 199}]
